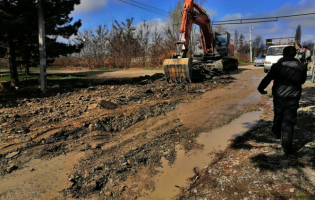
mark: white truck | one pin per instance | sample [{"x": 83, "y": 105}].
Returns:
[{"x": 274, "y": 53}]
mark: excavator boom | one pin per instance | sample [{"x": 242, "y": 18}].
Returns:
[{"x": 179, "y": 68}]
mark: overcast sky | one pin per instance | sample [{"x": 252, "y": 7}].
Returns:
[{"x": 95, "y": 12}]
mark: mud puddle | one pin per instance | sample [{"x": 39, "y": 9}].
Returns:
[{"x": 175, "y": 176}]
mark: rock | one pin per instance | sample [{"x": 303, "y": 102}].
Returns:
[
  {"x": 108, "y": 105},
  {"x": 6, "y": 124},
  {"x": 149, "y": 91},
  {"x": 108, "y": 194},
  {"x": 92, "y": 106},
  {"x": 86, "y": 174},
  {"x": 2, "y": 120},
  {"x": 32, "y": 169},
  {"x": 12, "y": 154},
  {"x": 292, "y": 190},
  {"x": 98, "y": 167},
  {"x": 96, "y": 146},
  {"x": 11, "y": 168},
  {"x": 25, "y": 130},
  {"x": 91, "y": 127},
  {"x": 91, "y": 88}
]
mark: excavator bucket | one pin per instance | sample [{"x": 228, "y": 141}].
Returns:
[{"x": 178, "y": 69}]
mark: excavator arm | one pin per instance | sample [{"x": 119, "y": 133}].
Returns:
[
  {"x": 178, "y": 68},
  {"x": 199, "y": 17}
]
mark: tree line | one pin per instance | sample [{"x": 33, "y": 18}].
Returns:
[{"x": 122, "y": 45}]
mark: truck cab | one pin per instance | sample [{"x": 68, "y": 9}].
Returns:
[{"x": 274, "y": 53}]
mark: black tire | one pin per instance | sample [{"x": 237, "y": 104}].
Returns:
[
  {"x": 255, "y": 65},
  {"x": 286, "y": 142},
  {"x": 313, "y": 75}
]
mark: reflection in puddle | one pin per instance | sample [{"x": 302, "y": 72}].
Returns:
[{"x": 176, "y": 174}]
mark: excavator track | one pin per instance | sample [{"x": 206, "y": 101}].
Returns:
[{"x": 178, "y": 69}]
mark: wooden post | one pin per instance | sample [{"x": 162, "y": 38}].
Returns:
[{"x": 42, "y": 46}]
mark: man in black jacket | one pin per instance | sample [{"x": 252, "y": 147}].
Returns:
[{"x": 288, "y": 74}]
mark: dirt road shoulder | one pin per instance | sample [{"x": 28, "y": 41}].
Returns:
[{"x": 254, "y": 166}]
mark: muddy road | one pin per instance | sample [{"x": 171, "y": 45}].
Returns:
[{"x": 113, "y": 138}]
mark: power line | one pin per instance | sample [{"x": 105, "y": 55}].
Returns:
[
  {"x": 265, "y": 19},
  {"x": 145, "y": 8},
  {"x": 149, "y": 8},
  {"x": 241, "y": 22},
  {"x": 223, "y": 22}
]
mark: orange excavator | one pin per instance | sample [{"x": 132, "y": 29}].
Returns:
[{"x": 214, "y": 50}]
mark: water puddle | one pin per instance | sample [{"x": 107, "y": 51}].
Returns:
[{"x": 175, "y": 176}]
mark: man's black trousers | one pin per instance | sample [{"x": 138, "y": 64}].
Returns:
[{"x": 285, "y": 117}]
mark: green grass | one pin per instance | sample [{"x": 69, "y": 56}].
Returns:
[
  {"x": 263, "y": 193},
  {"x": 301, "y": 195},
  {"x": 5, "y": 78},
  {"x": 32, "y": 68},
  {"x": 48, "y": 68},
  {"x": 35, "y": 77}
]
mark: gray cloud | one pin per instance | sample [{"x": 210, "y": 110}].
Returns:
[
  {"x": 156, "y": 23},
  {"x": 89, "y": 5}
]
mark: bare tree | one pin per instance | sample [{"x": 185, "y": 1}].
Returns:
[
  {"x": 243, "y": 49},
  {"x": 157, "y": 50},
  {"x": 308, "y": 44},
  {"x": 220, "y": 29},
  {"x": 236, "y": 40},
  {"x": 176, "y": 18},
  {"x": 258, "y": 45},
  {"x": 143, "y": 37},
  {"x": 95, "y": 46}
]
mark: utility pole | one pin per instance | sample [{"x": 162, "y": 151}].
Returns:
[
  {"x": 42, "y": 46},
  {"x": 250, "y": 43}
]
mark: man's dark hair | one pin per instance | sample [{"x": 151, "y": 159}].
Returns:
[
  {"x": 305, "y": 47},
  {"x": 299, "y": 45},
  {"x": 289, "y": 51}
]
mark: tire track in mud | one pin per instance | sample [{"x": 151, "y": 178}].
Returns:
[
  {"x": 119, "y": 165},
  {"x": 119, "y": 145},
  {"x": 73, "y": 122}
]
